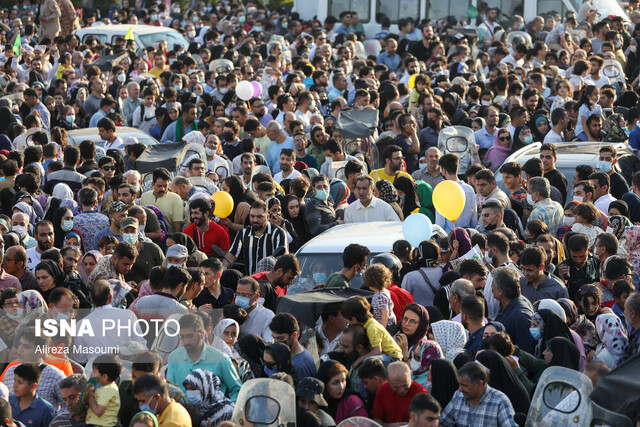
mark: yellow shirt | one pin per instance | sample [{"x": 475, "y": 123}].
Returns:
[
  {"x": 378, "y": 336},
  {"x": 174, "y": 416},
  {"x": 109, "y": 397},
  {"x": 170, "y": 204},
  {"x": 156, "y": 71},
  {"x": 380, "y": 174}
]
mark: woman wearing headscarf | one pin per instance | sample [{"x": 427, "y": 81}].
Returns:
[
  {"x": 619, "y": 207},
  {"x": 293, "y": 212},
  {"x": 27, "y": 209},
  {"x": 580, "y": 324},
  {"x": 87, "y": 263},
  {"x": 178, "y": 238},
  {"x": 521, "y": 137},
  {"x": 7, "y": 196},
  {"x": 613, "y": 129},
  {"x": 342, "y": 402},
  {"x": 251, "y": 349},
  {"x": 406, "y": 195},
  {"x": 562, "y": 352},
  {"x": 339, "y": 193},
  {"x": 540, "y": 125},
  {"x": 413, "y": 327},
  {"x": 277, "y": 358},
  {"x": 503, "y": 378},
  {"x": 53, "y": 278},
  {"x": 499, "y": 151},
  {"x": 422, "y": 356},
  {"x": 225, "y": 335},
  {"x": 385, "y": 191},
  {"x": 204, "y": 390},
  {"x": 236, "y": 219},
  {"x": 614, "y": 340},
  {"x": 617, "y": 226},
  {"x": 62, "y": 221},
  {"x": 11, "y": 239},
  {"x": 443, "y": 376},
  {"x": 424, "y": 194},
  {"x": 33, "y": 304},
  {"x": 546, "y": 325},
  {"x": 423, "y": 283},
  {"x": 451, "y": 336}
]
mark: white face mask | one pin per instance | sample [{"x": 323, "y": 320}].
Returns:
[
  {"x": 328, "y": 159},
  {"x": 609, "y": 230},
  {"x": 20, "y": 230},
  {"x": 568, "y": 221},
  {"x": 578, "y": 199},
  {"x": 530, "y": 200},
  {"x": 210, "y": 151},
  {"x": 415, "y": 364}
]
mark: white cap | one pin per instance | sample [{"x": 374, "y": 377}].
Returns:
[{"x": 129, "y": 140}]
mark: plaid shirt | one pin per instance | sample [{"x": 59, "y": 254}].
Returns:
[
  {"x": 7, "y": 329},
  {"x": 493, "y": 409},
  {"x": 47, "y": 387},
  {"x": 549, "y": 212}
]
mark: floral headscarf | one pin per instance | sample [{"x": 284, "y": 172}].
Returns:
[
  {"x": 26, "y": 208},
  {"x": 215, "y": 407},
  {"x": 614, "y": 131},
  {"x": 424, "y": 352},
  {"x": 120, "y": 291},
  {"x": 613, "y": 336},
  {"x": 388, "y": 192},
  {"x": 451, "y": 337},
  {"x": 34, "y": 305},
  {"x": 618, "y": 224},
  {"x": 339, "y": 193},
  {"x": 82, "y": 270}
]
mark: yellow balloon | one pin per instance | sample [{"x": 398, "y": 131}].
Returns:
[
  {"x": 224, "y": 204},
  {"x": 448, "y": 199},
  {"x": 412, "y": 80}
]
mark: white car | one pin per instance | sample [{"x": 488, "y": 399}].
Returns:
[
  {"x": 323, "y": 253},
  {"x": 144, "y": 35},
  {"x": 76, "y": 136}
]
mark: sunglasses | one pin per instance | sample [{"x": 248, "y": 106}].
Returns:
[
  {"x": 109, "y": 168},
  {"x": 505, "y": 138}
]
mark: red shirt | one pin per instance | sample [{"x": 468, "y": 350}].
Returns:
[
  {"x": 263, "y": 276},
  {"x": 389, "y": 407},
  {"x": 216, "y": 235},
  {"x": 400, "y": 299}
]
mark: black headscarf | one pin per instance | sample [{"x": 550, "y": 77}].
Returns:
[
  {"x": 462, "y": 359},
  {"x": 503, "y": 378},
  {"x": 552, "y": 326},
  {"x": 12, "y": 239},
  {"x": 55, "y": 271},
  {"x": 444, "y": 380},
  {"x": 565, "y": 353},
  {"x": 54, "y": 204},
  {"x": 7, "y": 197},
  {"x": 423, "y": 326},
  {"x": 435, "y": 315},
  {"x": 6, "y": 119},
  {"x": 251, "y": 347},
  {"x": 229, "y": 279},
  {"x": 236, "y": 191},
  {"x": 186, "y": 241},
  {"x": 405, "y": 185},
  {"x": 57, "y": 226},
  {"x": 621, "y": 205},
  {"x": 282, "y": 355},
  {"x": 116, "y": 155}
]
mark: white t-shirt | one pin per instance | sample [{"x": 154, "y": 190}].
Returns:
[
  {"x": 279, "y": 177},
  {"x": 148, "y": 121}
]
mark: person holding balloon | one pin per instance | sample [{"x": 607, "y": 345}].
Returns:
[
  {"x": 204, "y": 231},
  {"x": 453, "y": 199}
]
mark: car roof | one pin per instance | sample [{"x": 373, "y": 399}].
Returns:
[
  {"x": 124, "y": 28},
  {"x": 376, "y": 236},
  {"x": 76, "y": 136}
]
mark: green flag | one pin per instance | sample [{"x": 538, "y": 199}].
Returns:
[{"x": 16, "y": 45}]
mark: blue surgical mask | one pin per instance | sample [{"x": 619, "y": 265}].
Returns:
[
  {"x": 178, "y": 88},
  {"x": 61, "y": 316},
  {"x": 194, "y": 397},
  {"x": 71, "y": 119},
  {"x": 319, "y": 277},
  {"x": 322, "y": 194},
  {"x": 147, "y": 408},
  {"x": 133, "y": 238},
  {"x": 67, "y": 225},
  {"x": 604, "y": 166},
  {"x": 169, "y": 265},
  {"x": 422, "y": 165},
  {"x": 243, "y": 302},
  {"x": 535, "y": 333},
  {"x": 16, "y": 316},
  {"x": 270, "y": 371},
  {"x": 258, "y": 29},
  {"x": 242, "y": 19},
  {"x": 528, "y": 139}
]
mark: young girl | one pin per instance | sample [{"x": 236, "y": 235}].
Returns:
[
  {"x": 585, "y": 214},
  {"x": 378, "y": 278},
  {"x": 588, "y": 106},
  {"x": 564, "y": 94},
  {"x": 580, "y": 70},
  {"x": 568, "y": 221}
]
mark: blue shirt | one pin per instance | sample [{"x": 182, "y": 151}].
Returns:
[
  {"x": 169, "y": 134},
  {"x": 516, "y": 318},
  {"x": 45, "y": 115},
  {"x": 634, "y": 137},
  {"x": 391, "y": 61},
  {"x": 105, "y": 232},
  {"x": 310, "y": 161},
  {"x": 340, "y": 29},
  {"x": 304, "y": 365},
  {"x": 181, "y": 365},
  {"x": 38, "y": 413},
  {"x": 273, "y": 153},
  {"x": 96, "y": 118},
  {"x": 474, "y": 344},
  {"x": 484, "y": 139}
]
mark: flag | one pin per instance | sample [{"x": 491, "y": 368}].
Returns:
[
  {"x": 129, "y": 35},
  {"x": 17, "y": 45}
]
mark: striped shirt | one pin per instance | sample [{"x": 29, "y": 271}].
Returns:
[{"x": 250, "y": 249}]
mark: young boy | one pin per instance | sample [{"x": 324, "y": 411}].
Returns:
[
  {"x": 26, "y": 406},
  {"x": 357, "y": 311},
  {"x": 621, "y": 291},
  {"x": 104, "y": 401}
]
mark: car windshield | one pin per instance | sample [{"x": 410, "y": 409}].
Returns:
[{"x": 171, "y": 37}]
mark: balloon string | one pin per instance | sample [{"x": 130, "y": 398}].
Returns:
[{"x": 249, "y": 105}]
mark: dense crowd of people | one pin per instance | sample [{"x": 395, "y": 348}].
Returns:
[{"x": 540, "y": 269}]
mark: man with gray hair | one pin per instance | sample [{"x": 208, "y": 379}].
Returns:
[
  {"x": 71, "y": 391},
  {"x": 516, "y": 311},
  {"x": 431, "y": 173},
  {"x": 279, "y": 140},
  {"x": 460, "y": 289},
  {"x": 132, "y": 102},
  {"x": 544, "y": 209}
]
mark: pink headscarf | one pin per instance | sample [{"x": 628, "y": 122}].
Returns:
[{"x": 497, "y": 154}]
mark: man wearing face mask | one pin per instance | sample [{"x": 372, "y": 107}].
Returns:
[
  {"x": 231, "y": 143},
  {"x": 116, "y": 212},
  {"x": 491, "y": 217},
  {"x": 185, "y": 124},
  {"x": 258, "y": 317},
  {"x": 606, "y": 163},
  {"x": 150, "y": 392},
  {"x": 354, "y": 260},
  {"x": 149, "y": 254},
  {"x": 319, "y": 214},
  {"x": 428, "y": 136}
]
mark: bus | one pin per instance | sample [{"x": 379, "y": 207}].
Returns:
[{"x": 369, "y": 10}]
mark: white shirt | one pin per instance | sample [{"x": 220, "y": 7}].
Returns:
[
  {"x": 378, "y": 210},
  {"x": 603, "y": 202},
  {"x": 103, "y": 337},
  {"x": 217, "y": 162},
  {"x": 34, "y": 257},
  {"x": 603, "y": 80},
  {"x": 553, "y": 137},
  {"x": 258, "y": 323},
  {"x": 115, "y": 145},
  {"x": 279, "y": 177},
  {"x": 327, "y": 346}
]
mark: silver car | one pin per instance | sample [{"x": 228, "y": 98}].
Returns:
[
  {"x": 76, "y": 136},
  {"x": 144, "y": 35}
]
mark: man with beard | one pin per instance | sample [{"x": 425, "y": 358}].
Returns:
[
  {"x": 170, "y": 204},
  {"x": 472, "y": 318},
  {"x": 285, "y": 329},
  {"x": 185, "y": 124},
  {"x": 258, "y": 240},
  {"x": 203, "y": 230},
  {"x": 430, "y": 173},
  {"x": 287, "y": 160},
  {"x": 116, "y": 212},
  {"x": 44, "y": 238},
  {"x": 194, "y": 354},
  {"x": 393, "y": 163},
  {"x": 491, "y": 217},
  {"x": 354, "y": 343},
  {"x": 274, "y": 283},
  {"x": 164, "y": 303}
]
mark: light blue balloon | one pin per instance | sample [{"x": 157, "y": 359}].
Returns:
[{"x": 417, "y": 228}]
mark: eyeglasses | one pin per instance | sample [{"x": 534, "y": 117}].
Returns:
[
  {"x": 410, "y": 322},
  {"x": 505, "y": 138},
  {"x": 397, "y": 158},
  {"x": 269, "y": 365},
  {"x": 244, "y": 295},
  {"x": 109, "y": 168}
]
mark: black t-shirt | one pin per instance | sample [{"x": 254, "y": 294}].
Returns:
[
  {"x": 558, "y": 180},
  {"x": 619, "y": 186}
]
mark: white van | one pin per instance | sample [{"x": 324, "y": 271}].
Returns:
[{"x": 438, "y": 9}]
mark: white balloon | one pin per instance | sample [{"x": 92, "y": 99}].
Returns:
[{"x": 244, "y": 90}]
